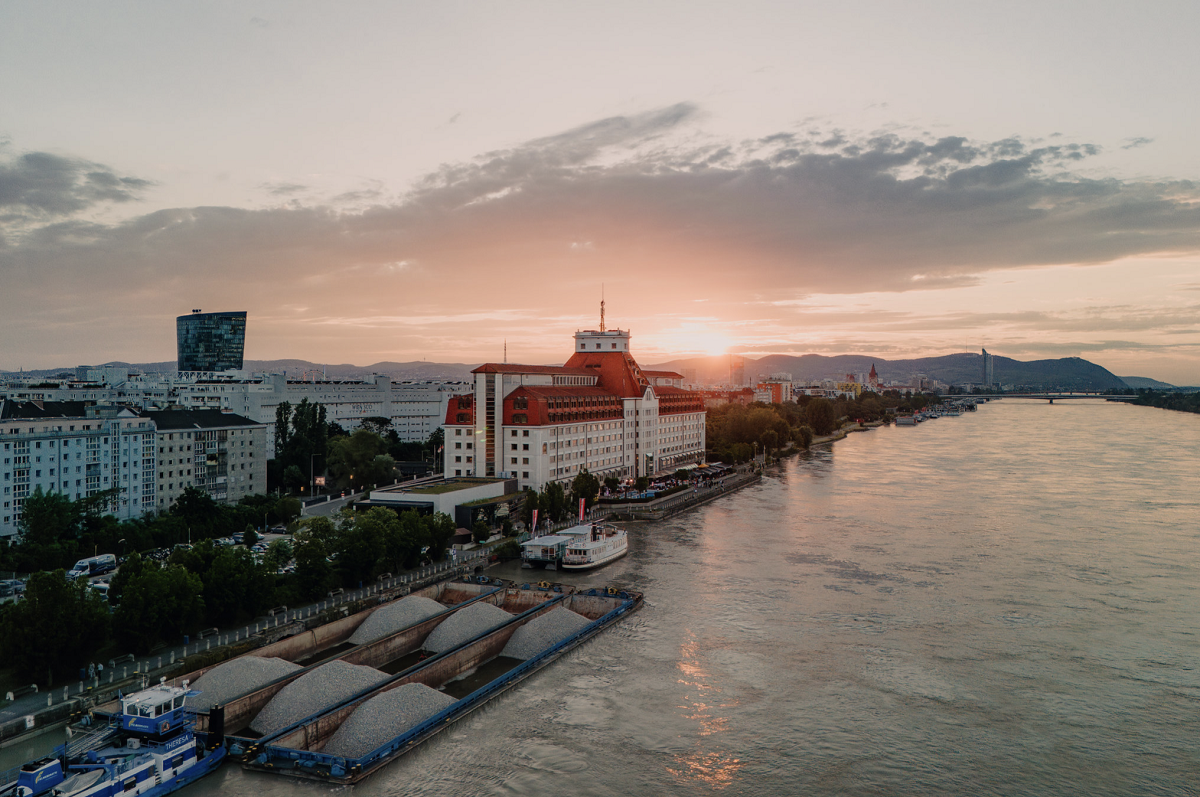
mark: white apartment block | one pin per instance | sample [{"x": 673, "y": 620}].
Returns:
[
  {"x": 78, "y": 451},
  {"x": 216, "y": 451},
  {"x": 599, "y": 411},
  {"x": 416, "y": 409}
]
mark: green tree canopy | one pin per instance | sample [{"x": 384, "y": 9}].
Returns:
[{"x": 57, "y": 627}]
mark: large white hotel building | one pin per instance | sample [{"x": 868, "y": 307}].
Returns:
[{"x": 600, "y": 411}]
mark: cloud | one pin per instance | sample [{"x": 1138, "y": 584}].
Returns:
[
  {"x": 283, "y": 189},
  {"x": 41, "y": 185},
  {"x": 647, "y": 201},
  {"x": 1134, "y": 143}
]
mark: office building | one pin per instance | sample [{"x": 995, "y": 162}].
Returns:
[{"x": 210, "y": 342}]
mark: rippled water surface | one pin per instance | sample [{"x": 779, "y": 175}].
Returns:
[{"x": 1002, "y": 603}]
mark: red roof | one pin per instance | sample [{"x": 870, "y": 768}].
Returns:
[
  {"x": 514, "y": 368},
  {"x": 619, "y": 373},
  {"x": 460, "y": 411},
  {"x": 662, "y": 375},
  {"x": 537, "y": 405}
]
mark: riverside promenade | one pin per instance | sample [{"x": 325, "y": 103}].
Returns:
[{"x": 665, "y": 507}]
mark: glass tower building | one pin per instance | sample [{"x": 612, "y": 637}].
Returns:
[{"x": 211, "y": 341}]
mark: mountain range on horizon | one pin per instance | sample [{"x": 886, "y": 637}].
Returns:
[{"x": 1070, "y": 373}]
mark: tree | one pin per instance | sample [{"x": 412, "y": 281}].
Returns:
[
  {"x": 58, "y": 626},
  {"x": 278, "y": 554},
  {"x": 480, "y": 531},
  {"x": 612, "y": 483},
  {"x": 441, "y": 528},
  {"x": 553, "y": 501},
  {"x": 804, "y": 436},
  {"x": 360, "y": 459},
  {"x": 236, "y": 587},
  {"x": 158, "y": 604},
  {"x": 586, "y": 486},
  {"x": 313, "y": 570},
  {"x": 820, "y": 416},
  {"x": 642, "y": 484},
  {"x": 769, "y": 441},
  {"x": 48, "y": 518},
  {"x": 287, "y": 509},
  {"x": 250, "y": 537}
]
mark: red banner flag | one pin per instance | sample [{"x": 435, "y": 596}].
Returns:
[
  {"x": 581, "y": 500},
  {"x": 533, "y": 523}
]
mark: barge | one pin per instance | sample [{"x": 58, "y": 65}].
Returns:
[{"x": 470, "y": 674}]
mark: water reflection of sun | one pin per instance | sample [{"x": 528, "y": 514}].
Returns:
[{"x": 716, "y": 769}]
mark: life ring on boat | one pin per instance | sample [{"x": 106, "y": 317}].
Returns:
[
  {"x": 612, "y": 590},
  {"x": 544, "y": 584},
  {"x": 164, "y": 726}
]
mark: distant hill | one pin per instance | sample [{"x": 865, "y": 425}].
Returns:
[
  {"x": 1136, "y": 382},
  {"x": 295, "y": 369},
  {"x": 1070, "y": 373}
]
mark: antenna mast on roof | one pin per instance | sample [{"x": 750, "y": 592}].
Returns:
[
  {"x": 601, "y": 306},
  {"x": 506, "y": 350}
]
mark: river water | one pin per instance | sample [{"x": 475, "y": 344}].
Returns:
[{"x": 1001, "y": 603}]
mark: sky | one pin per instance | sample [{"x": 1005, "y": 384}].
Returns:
[{"x": 393, "y": 181}]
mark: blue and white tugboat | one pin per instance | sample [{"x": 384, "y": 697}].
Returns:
[{"x": 149, "y": 749}]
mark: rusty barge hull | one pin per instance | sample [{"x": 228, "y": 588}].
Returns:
[{"x": 296, "y": 751}]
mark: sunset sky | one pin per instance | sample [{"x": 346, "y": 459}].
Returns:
[{"x": 398, "y": 181}]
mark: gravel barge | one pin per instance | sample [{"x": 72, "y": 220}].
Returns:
[
  {"x": 325, "y": 643},
  {"x": 378, "y": 725}
]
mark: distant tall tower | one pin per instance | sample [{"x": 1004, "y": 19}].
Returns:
[
  {"x": 210, "y": 341},
  {"x": 737, "y": 370},
  {"x": 989, "y": 373}
]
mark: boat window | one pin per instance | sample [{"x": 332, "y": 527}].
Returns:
[
  {"x": 145, "y": 711},
  {"x": 177, "y": 702},
  {"x": 131, "y": 784}
]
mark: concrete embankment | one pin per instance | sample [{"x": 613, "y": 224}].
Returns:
[{"x": 665, "y": 507}]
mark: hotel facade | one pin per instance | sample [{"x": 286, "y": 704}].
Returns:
[{"x": 600, "y": 411}]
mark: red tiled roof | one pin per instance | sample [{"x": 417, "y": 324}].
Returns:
[
  {"x": 460, "y": 411},
  {"x": 662, "y": 375},
  {"x": 538, "y": 405},
  {"x": 514, "y": 368},
  {"x": 618, "y": 372}
]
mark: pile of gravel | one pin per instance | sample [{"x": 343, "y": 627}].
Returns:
[
  {"x": 384, "y": 717},
  {"x": 394, "y": 617},
  {"x": 541, "y": 632},
  {"x": 237, "y": 677},
  {"x": 464, "y": 624},
  {"x": 323, "y": 687}
]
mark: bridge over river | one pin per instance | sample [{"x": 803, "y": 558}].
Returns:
[{"x": 1052, "y": 397}]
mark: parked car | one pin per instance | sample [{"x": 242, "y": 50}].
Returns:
[{"x": 238, "y": 537}]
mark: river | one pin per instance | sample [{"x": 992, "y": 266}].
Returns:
[{"x": 1001, "y": 603}]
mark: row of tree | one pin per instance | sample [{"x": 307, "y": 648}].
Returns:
[
  {"x": 734, "y": 431},
  {"x": 1174, "y": 400},
  {"x": 55, "y": 532},
  {"x": 61, "y": 624}
]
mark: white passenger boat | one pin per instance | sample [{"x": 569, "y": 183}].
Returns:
[{"x": 598, "y": 545}]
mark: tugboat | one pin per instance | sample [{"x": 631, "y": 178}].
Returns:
[{"x": 149, "y": 749}]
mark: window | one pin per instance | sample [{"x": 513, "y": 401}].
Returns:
[
  {"x": 525, "y": 447},
  {"x": 468, "y": 459},
  {"x": 458, "y": 445},
  {"x": 456, "y": 473},
  {"x": 524, "y": 460},
  {"x": 457, "y": 432},
  {"x": 525, "y": 433},
  {"x": 513, "y": 461},
  {"x": 514, "y": 446},
  {"x": 514, "y": 433}
]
